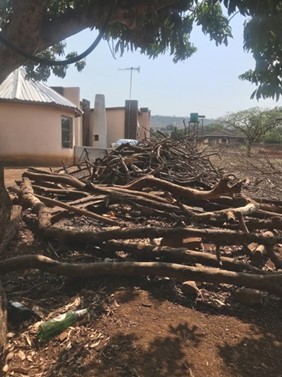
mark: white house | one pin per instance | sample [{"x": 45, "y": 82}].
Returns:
[
  {"x": 40, "y": 125},
  {"x": 36, "y": 124}
]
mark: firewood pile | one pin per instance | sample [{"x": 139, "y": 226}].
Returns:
[
  {"x": 159, "y": 209},
  {"x": 176, "y": 161}
]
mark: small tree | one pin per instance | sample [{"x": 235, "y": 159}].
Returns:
[{"x": 253, "y": 123}]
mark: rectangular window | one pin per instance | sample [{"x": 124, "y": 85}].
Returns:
[{"x": 66, "y": 124}]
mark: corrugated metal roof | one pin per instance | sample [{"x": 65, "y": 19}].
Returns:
[
  {"x": 222, "y": 133},
  {"x": 17, "y": 87}
]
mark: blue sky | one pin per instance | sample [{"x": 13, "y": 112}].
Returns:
[{"x": 207, "y": 82}]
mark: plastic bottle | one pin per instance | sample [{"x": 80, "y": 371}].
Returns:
[{"x": 55, "y": 326}]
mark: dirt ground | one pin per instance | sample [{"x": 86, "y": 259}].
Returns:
[{"x": 139, "y": 327}]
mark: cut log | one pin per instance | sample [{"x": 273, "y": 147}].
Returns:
[{"x": 258, "y": 251}]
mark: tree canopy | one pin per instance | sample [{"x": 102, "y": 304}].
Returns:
[
  {"x": 33, "y": 32},
  {"x": 254, "y": 123}
]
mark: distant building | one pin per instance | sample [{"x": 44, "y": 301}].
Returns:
[
  {"x": 221, "y": 137},
  {"x": 40, "y": 125},
  {"x": 37, "y": 124}
]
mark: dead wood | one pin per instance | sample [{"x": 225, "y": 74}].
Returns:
[
  {"x": 172, "y": 192},
  {"x": 270, "y": 282},
  {"x": 55, "y": 177},
  {"x": 257, "y": 251},
  {"x": 220, "y": 189},
  {"x": 165, "y": 158},
  {"x": 269, "y": 213},
  {"x": 37, "y": 202},
  {"x": 274, "y": 257},
  {"x": 252, "y": 224},
  {"x": 71, "y": 194},
  {"x": 218, "y": 236},
  {"x": 118, "y": 190},
  {"x": 29, "y": 199},
  {"x": 178, "y": 255},
  {"x": 77, "y": 211},
  {"x": 270, "y": 207},
  {"x": 228, "y": 214}
]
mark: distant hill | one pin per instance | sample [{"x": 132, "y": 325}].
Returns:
[{"x": 159, "y": 121}]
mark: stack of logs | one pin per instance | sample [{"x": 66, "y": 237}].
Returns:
[
  {"x": 161, "y": 203},
  {"x": 161, "y": 190},
  {"x": 176, "y": 161}
]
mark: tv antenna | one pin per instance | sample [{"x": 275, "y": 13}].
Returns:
[{"x": 131, "y": 69}]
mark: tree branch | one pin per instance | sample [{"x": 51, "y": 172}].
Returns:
[{"x": 271, "y": 282}]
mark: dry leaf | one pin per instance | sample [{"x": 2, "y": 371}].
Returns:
[
  {"x": 21, "y": 355},
  {"x": 20, "y": 370},
  {"x": 5, "y": 368},
  {"x": 96, "y": 344},
  {"x": 27, "y": 338},
  {"x": 63, "y": 336},
  {"x": 10, "y": 335}
]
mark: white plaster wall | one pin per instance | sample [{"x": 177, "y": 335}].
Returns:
[{"x": 32, "y": 134}]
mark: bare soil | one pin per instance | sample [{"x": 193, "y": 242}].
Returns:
[{"x": 141, "y": 327}]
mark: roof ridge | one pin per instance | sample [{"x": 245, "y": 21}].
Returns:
[{"x": 17, "y": 87}]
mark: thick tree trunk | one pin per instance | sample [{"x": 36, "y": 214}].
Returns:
[
  {"x": 9, "y": 224},
  {"x": 249, "y": 147},
  {"x": 5, "y": 213},
  {"x": 32, "y": 30},
  {"x": 3, "y": 323}
]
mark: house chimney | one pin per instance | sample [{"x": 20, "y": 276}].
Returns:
[
  {"x": 98, "y": 131},
  {"x": 131, "y": 117}
]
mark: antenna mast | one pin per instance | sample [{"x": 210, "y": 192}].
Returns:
[{"x": 131, "y": 69}]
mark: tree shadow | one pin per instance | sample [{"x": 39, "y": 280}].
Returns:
[
  {"x": 124, "y": 355},
  {"x": 254, "y": 357}
]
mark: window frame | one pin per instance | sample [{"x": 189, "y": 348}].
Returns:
[{"x": 66, "y": 132}]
